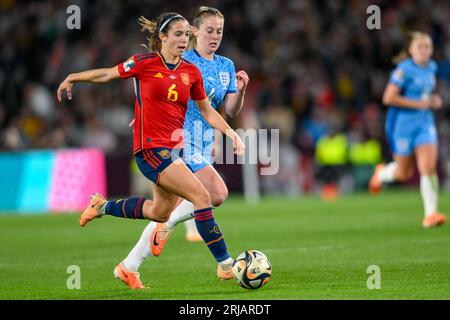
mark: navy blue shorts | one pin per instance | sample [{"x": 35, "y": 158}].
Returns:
[{"x": 151, "y": 162}]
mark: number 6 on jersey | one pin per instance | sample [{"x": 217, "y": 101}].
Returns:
[{"x": 172, "y": 95}]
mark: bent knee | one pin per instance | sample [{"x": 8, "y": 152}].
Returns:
[
  {"x": 202, "y": 199},
  {"x": 219, "y": 196}
]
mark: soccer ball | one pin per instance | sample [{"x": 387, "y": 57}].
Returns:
[{"x": 252, "y": 269}]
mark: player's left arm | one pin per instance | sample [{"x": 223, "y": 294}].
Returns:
[
  {"x": 216, "y": 121},
  {"x": 234, "y": 101}
]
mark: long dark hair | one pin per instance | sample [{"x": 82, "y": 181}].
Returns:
[{"x": 162, "y": 24}]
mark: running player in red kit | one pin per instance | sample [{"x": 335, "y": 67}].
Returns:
[{"x": 164, "y": 82}]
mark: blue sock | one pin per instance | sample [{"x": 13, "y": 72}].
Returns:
[
  {"x": 211, "y": 234},
  {"x": 130, "y": 208}
]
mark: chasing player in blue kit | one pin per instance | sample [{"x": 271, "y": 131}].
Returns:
[
  {"x": 410, "y": 126},
  {"x": 224, "y": 88}
]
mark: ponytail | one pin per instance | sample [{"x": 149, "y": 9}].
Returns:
[
  {"x": 404, "y": 54},
  {"x": 154, "y": 43},
  {"x": 153, "y": 29}
]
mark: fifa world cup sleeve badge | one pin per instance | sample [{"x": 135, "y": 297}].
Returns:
[
  {"x": 128, "y": 65},
  {"x": 399, "y": 75}
]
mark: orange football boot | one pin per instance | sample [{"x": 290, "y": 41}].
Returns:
[
  {"x": 434, "y": 220},
  {"x": 375, "y": 185},
  {"x": 130, "y": 278},
  {"x": 91, "y": 212},
  {"x": 159, "y": 237}
]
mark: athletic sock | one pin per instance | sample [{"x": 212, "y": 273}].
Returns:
[
  {"x": 141, "y": 250},
  {"x": 226, "y": 262},
  {"x": 429, "y": 188},
  {"x": 211, "y": 234},
  {"x": 184, "y": 211},
  {"x": 387, "y": 174},
  {"x": 130, "y": 208}
]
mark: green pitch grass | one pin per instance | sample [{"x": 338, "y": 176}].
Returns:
[{"x": 318, "y": 250}]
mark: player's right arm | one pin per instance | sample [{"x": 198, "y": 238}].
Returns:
[
  {"x": 392, "y": 97},
  {"x": 130, "y": 68},
  {"x": 95, "y": 76},
  {"x": 398, "y": 80}
]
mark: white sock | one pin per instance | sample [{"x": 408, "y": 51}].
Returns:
[
  {"x": 387, "y": 173},
  {"x": 226, "y": 261},
  {"x": 190, "y": 225},
  {"x": 141, "y": 250},
  {"x": 183, "y": 212},
  {"x": 429, "y": 188}
]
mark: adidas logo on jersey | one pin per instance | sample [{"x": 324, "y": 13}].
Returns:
[{"x": 158, "y": 75}]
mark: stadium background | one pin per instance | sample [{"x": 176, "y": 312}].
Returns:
[{"x": 315, "y": 69}]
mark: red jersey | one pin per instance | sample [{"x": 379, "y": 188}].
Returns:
[{"x": 162, "y": 97}]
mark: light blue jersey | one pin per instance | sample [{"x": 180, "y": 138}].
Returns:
[
  {"x": 407, "y": 128},
  {"x": 219, "y": 79}
]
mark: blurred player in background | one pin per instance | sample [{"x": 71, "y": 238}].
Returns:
[
  {"x": 223, "y": 90},
  {"x": 410, "y": 125},
  {"x": 164, "y": 82}
]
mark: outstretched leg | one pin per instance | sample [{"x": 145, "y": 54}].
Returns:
[
  {"x": 177, "y": 179},
  {"x": 127, "y": 269}
]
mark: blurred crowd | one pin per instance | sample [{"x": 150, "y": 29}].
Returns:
[{"x": 317, "y": 72}]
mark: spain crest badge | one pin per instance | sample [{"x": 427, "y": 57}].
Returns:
[{"x": 185, "y": 78}]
